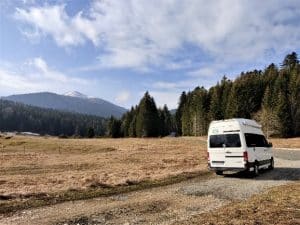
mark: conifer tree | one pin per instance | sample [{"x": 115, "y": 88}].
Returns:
[
  {"x": 179, "y": 112},
  {"x": 90, "y": 132},
  {"x": 290, "y": 61},
  {"x": 284, "y": 115},
  {"x": 215, "y": 110},
  {"x": 147, "y": 120},
  {"x": 115, "y": 127},
  {"x": 167, "y": 121}
]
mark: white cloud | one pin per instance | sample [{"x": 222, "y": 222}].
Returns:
[
  {"x": 51, "y": 20},
  {"x": 35, "y": 75},
  {"x": 144, "y": 33},
  {"x": 203, "y": 72},
  {"x": 123, "y": 97},
  {"x": 166, "y": 85},
  {"x": 170, "y": 98}
]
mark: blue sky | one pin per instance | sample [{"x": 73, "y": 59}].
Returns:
[{"x": 117, "y": 49}]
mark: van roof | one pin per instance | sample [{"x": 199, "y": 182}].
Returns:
[{"x": 241, "y": 121}]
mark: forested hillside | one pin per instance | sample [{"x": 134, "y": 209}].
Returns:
[
  {"x": 272, "y": 97},
  {"x": 20, "y": 117}
]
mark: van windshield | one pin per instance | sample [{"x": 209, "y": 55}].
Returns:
[{"x": 225, "y": 140}]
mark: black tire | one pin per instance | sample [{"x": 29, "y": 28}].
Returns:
[
  {"x": 255, "y": 172},
  {"x": 219, "y": 172},
  {"x": 271, "y": 167}
]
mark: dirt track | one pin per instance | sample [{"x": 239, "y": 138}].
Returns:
[{"x": 164, "y": 205}]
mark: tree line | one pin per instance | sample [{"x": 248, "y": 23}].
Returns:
[
  {"x": 19, "y": 117},
  {"x": 271, "y": 97},
  {"x": 143, "y": 120}
]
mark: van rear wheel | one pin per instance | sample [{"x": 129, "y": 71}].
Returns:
[
  {"x": 256, "y": 170},
  {"x": 219, "y": 172}
]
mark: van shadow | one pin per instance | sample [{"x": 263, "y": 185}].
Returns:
[{"x": 278, "y": 173}]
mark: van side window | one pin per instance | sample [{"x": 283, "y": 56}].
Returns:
[
  {"x": 255, "y": 140},
  {"x": 227, "y": 140}
]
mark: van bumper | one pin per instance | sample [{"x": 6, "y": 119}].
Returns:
[
  {"x": 227, "y": 168},
  {"x": 236, "y": 169}
]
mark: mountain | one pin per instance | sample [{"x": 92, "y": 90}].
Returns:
[
  {"x": 70, "y": 102},
  {"x": 75, "y": 94},
  {"x": 19, "y": 117}
]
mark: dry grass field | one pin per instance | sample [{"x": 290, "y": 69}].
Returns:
[
  {"x": 31, "y": 165},
  {"x": 40, "y": 171},
  {"x": 286, "y": 142}
]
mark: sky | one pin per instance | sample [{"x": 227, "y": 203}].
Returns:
[{"x": 119, "y": 49}]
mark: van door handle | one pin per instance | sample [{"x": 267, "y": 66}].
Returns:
[{"x": 228, "y": 152}]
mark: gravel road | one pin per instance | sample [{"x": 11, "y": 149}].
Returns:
[
  {"x": 293, "y": 154},
  {"x": 165, "y": 205}
]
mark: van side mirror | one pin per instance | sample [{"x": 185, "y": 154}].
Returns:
[{"x": 270, "y": 144}]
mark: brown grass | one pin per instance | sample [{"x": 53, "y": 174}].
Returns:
[
  {"x": 281, "y": 206},
  {"x": 36, "y": 171},
  {"x": 31, "y": 165},
  {"x": 45, "y": 165},
  {"x": 286, "y": 142}
]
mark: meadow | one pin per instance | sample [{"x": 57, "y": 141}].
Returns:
[
  {"x": 46, "y": 164},
  {"x": 40, "y": 171},
  {"x": 32, "y": 165}
]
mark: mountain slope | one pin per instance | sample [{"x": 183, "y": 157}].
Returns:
[
  {"x": 85, "y": 105},
  {"x": 24, "y": 118}
]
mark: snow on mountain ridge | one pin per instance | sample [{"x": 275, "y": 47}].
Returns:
[{"x": 75, "y": 94}]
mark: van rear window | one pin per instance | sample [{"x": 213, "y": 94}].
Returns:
[{"x": 225, "y": 140}]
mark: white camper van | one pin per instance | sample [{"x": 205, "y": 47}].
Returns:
[{"x": 238, "y": 145}]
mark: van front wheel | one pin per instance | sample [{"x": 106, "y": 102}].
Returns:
[{"x": 219, "y": 172}]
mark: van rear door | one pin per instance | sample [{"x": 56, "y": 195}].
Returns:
[{"x": 225, "y": 150}]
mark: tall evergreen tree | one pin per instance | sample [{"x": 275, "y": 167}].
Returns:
[
  {"x": 126, "y": 121},
  {"x": 90, "y": 132},
  {"x": 284, "y": 115},
  {"x": 179, "y": 112},
  {"x": 165, "y": 121},
  {"x": 147, "y": 120},
  {"x": 290, "y": 61},
  {"x": 215, "y": 111},
  {"x": 294, "y": 96},
  {"x": 114, "y": 127}
]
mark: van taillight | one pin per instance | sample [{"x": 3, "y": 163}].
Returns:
[
  {"x": 207, "y": 156},
  {"x": 245, "y": 156}
]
